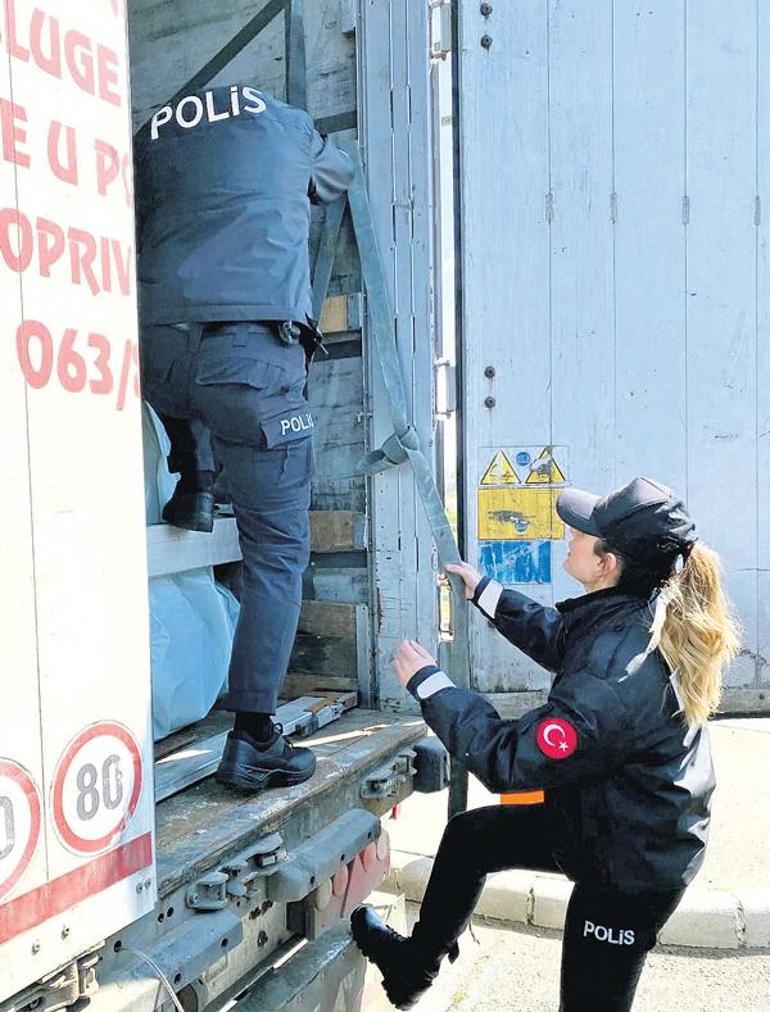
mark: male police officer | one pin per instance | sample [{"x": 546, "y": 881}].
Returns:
[{"x": 225, "y": 178}]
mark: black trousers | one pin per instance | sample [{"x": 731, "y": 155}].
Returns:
[
  {"x": 238, "y": 386},
  {"x": 607, "y": 934}
]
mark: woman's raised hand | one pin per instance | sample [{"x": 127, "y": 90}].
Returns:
[
  {"x": 408, "y": 658},
  {"x": 471, "y": 577}
]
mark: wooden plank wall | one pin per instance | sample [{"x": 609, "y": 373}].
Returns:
[
  {"x": 396, "y": 139},
  {"x": 623, "y": 302}
]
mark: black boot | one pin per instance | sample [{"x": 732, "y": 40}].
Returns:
[
  {"x": 408, "y": 967},
  {"x": 253, "y": 766},
  {"x": 194, "y": 511}
]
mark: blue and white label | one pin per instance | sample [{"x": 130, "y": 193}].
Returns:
[{"x": 512, "y": 563}]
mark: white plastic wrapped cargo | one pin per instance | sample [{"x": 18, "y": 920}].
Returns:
[
  {"x": 76, "y": 792},
  {"x": 192, "y": 617}
]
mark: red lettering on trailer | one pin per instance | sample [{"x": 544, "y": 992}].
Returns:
[
  {"x": 17, "y": 254},
  {"x": 37, "y": 352},
  {"x": 64, "y": 167},
  {"x": 50, "y": 244},
  {"x": 12, "y": 133},
  {"x": 62, "y": 52},
  {"x": 82, "y": 260},
  {"x": 92, "y": 258}
]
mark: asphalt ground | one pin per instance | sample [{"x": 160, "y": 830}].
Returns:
[{"x": 505, "y": 968}]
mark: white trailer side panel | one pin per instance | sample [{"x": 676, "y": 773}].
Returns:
[
  {"x": 83, "y": 718},
  {"x": 22, "y": 840}
]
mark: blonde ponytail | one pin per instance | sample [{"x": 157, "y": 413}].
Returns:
[{"x": 699, "y": 636}]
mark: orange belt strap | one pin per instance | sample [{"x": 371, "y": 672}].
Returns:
[{"x": 523, "y": 798}]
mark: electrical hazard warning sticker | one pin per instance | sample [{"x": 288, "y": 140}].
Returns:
[{"x": 556, "y": 738}]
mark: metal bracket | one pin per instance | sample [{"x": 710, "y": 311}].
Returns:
[
  {"x": 446, "y": 388},
  {"x": 237, "y": 876},
  {"x": 209, "y": 892},
  {"x": 267, "y": 852},
  {"x": 386, "y": 780},
  {"x": 323, "y": 855},
  {"x": 337, "y": 897},
  {"x": 441, "y": 30},
  {"x": 58, "y": 990},
  {"x": 432, "y": 766}
]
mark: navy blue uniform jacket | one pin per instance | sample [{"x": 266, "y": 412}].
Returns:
[{"x": 628, "y": 783}]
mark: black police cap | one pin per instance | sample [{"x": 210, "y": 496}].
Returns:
[{"x": 640, "y": 519}]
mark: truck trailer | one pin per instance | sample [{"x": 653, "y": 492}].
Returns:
[{"x": 549, "y": 270}]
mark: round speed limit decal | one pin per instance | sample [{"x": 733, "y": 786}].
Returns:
[
  {"x": 19, "y": 823},
  {"x": 97, "y": 786}
]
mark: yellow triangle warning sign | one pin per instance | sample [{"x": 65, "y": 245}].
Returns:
[
  {"x": 545, "y": 470},
  {"x": 500, "y": 472}
]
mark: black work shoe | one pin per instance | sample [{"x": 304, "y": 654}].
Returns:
[
  {"x": 407, "y": 970},
  {"x": 194, "y": 511},
  {"x": 255, "y": 767}
]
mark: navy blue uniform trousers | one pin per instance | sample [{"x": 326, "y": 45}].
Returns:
[
  {"x": 243, "y": 385},
  {"x": 607, "y": 933}
]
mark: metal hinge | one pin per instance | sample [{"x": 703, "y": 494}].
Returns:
[{"x": 386, "y": 780}]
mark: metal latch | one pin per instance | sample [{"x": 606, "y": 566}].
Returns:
[
  {"x": 441, "y": 29},
  {"x": 209, "y": 892},
  {"x": 268, "y": 851},
  {"x": 236, "y": 876},
  {"x": 386, "y": 780},
  {"x": 261, "y": 858}
]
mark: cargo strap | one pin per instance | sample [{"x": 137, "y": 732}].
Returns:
[{"x": 404, "y": 444}]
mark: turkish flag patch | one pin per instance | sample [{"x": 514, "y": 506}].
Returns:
[{"x": 556, "y": 738}]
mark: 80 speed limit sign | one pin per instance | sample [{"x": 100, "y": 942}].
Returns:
[
  {"x": 96, "y": 787},
  {"x": 19, "y": 823}
]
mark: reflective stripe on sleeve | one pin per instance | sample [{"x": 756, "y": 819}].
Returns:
[
  {"x": 434, "y": 683},
  {"x": 489, "y": 598}
]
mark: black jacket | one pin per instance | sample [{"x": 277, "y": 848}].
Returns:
[
  {"x": 628, "y": 784},
  {"x": 223, "y": 198}
]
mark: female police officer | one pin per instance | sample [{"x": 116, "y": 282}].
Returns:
[{"x": 620, "y": 748}]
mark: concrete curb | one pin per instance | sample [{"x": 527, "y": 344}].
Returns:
[{"x": 705, "y": 919}]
